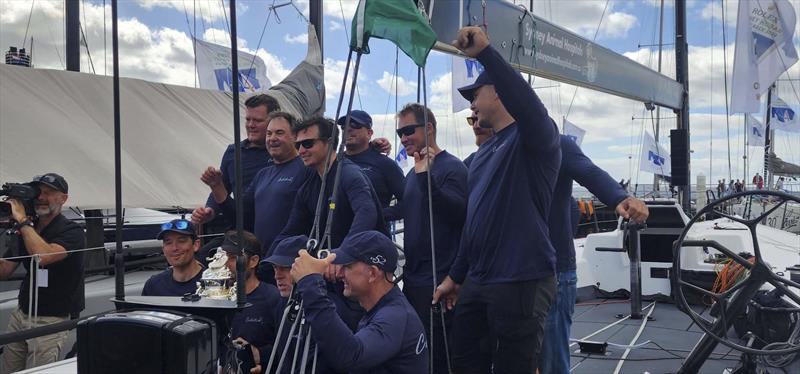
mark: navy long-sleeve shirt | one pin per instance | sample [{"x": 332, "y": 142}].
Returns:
[
  {"x": 576, "y": 166},
  {"x": 384, "y": 174},
  {"x": 357, "y": 206},
  {"x": 511, "y": 179},
  {"x": 253, "y": 160},
  {"x": 267, "y": 201},
  {"x": 256, "y": 323},
  {"x": 390, "y": 336},
  {"x": 449, "y": 195},
  {"x": 468, "y": 160}
]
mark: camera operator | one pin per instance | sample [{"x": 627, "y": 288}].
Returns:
[{"x": 59, "y": 278}]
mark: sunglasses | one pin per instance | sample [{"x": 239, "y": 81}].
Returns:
[
  {"x": 408, "y": 130},
  {"x": 49, "y": 179},
  {"x": 355, "y": 125},
  {"x": 178, "y": 224},
  {"x": 307, "y": 144},
  {"x": 471, "y": 121}
]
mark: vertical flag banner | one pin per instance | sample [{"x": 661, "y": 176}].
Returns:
[
  {"x": 214, "y": 69},
  {"x": 402, "y": 157},
  {"x": 783, "y": 117},
  {"x": 398, "y": 21},
  {"x": 764, "y": 50},
  {"x": 574, "y": 132},
  {"x": 756, "y": 135},
  {"x": 654, "y": 158},
  {"x": 465, "y": 71}
]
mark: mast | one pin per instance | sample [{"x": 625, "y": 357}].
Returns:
[
  {"x": 315, "y": 17},
  {"x": 682, "y": 76},
  {"x": 768, "y": 140},
  {"x": 658, "y": 108},
  {"x": 72, "y": 33}
]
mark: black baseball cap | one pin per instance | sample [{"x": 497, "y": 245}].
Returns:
[
  {"x": 286, "y": 251},
  {"x": 181, "y": 226},
  {"x": 52, "y": 180},
  {"x": 358, "y": 116},
  {"x": 231, "y": 244},
  {"x": 369, "y": 247},
  {"x": 468, "y": 91}
]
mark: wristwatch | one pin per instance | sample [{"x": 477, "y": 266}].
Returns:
[{"x": 27, "y": 222}]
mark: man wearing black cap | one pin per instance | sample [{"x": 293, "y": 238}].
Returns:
[
  {"x": 54, "y": 240},
  {"x": 254, "y": 327},
  {"x": 179, "y": 243},
  {"x": 448, "y": 193},
  {"x": 390, "y": 337},
  {"x": 506, "y": 261},
  {"x": 385, "y": 175}
]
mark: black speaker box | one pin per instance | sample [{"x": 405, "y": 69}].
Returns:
[
  {"x": 679, "y": 157},
  {"x": 146, "y": 341}
]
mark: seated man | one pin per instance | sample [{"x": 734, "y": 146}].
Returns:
[
  {"x": 390, "y": 338},
  {"x": 179, "y": 243},
  {"x": 252, "y": 328}
]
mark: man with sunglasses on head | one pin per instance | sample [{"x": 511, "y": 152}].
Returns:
[
  {"x": 59, "y": 279},
  {"x": 384, "y": 174},
  {"x": 481, "y": 135},
  {"x": 254, "y": 158},
  {"x": 448, "y": 192},
  {"x": 179, "y": 242},
  {"x": 268, "y": 200}
]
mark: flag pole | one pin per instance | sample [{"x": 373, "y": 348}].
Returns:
[{"x": 768, "y": 139}]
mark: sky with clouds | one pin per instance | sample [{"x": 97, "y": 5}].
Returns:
[{"x": 156, "y": 44}]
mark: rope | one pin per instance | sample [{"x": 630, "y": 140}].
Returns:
[
  {"x": 597, "y": 31},
  {"x": 725, "y": 70},
  {"x": 28, "y": 26}
]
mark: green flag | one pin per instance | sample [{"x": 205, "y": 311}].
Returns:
[{"x": 396, "y": 20}]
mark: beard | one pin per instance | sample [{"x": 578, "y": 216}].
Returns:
[{"x": 44, "y": 210}]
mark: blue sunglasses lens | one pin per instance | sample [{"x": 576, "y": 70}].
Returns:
[{"x": 182, "y": 225}]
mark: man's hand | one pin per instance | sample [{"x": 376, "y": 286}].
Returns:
[
  {"x": 306, "y": 265},
  {"x": 633, "y": 209},
  {"x": 423, "y": 159},
  {"x": 471, "y": 40},
  {"x": 382, "y": 145},
  {"x": 448, "y": 291},
  {"x": 17, "y": 210},
  {"x": 212, "y": 177},
  {"x": 330, "y": 273},
  {"x": 256, "y": 355},
  {"x": 202, "y": 215}
]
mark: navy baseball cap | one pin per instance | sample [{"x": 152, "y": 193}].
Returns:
[
  {"x": 358, "y": 116},
  {"x": 369, "y": 247},
  {"x": 52, "y": 180},
  {"x": 468, "y": 91},
  {"x": 286, "y": 251},
  {"x": 181, "y": 226},
  {"x": 231, "y": 244}
]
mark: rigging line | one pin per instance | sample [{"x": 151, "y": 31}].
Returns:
[
  {"x": 225, "y": 15},
  {"x": 725, "y": 80},
  {"x": 710, "y": 111},
  {"x": 597, "y": 31},
  {"x": 194, "y": 41},
  {"x": 347, "y": 37},
  {"x": 188, "y": 25},
  {"x": 203, "y": 24},
  {"x": 635, "y": 338},
  {"x": 105, "y": 41},
  {"x": 28, "y": 26},
  {"x": 261, "y": 37},
  {"x": 86, "y": 45},
  {"x": 58, "y": 53}
]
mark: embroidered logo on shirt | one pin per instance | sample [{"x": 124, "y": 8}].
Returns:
[
  {"x": 366, "y": 168},
  {"x": 285, "y": 179},
  {"x": 253, "y": 320},
  {"x": 378, "y": 260},
  {"x": 497, "y": 147},
  {"x": 421, "y": 343}
]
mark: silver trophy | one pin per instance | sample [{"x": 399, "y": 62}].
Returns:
[{"x": 218, "y": 282}]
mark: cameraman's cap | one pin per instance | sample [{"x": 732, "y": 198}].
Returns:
[
  {"x": 181, "y": 226},
  {"x": 369, "y": 247},
  {"x": 231, "y": 245},
  {"x": 358, "y": 116},
  {"x": 468, "y": 91},
  {"x": 286, "y": 251},
  {"x": 52, "y": 180}
]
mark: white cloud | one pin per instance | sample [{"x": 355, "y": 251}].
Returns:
[
  {"x": 222, "y": 37},
  {"x": 582, "y": 17},
  {"x": 334, "y": 74},
  {"x": 334, "y": 25},
  {"x": 713, "y": 10},
  {"x": 404, "y": 86},
  {"x": 296, "y": 39},
  {"x": 209, "y": 11},
  {"x": 617, "y": 25}
]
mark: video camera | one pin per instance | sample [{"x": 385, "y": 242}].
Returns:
[{"x": 24, "y": 192}]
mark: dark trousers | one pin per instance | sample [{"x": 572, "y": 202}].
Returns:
[
  {"x": 420, "y": 299},
  {"x": 499, "y": 327}
]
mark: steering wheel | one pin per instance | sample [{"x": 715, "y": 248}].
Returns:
[{"x": 732, "y": 302}]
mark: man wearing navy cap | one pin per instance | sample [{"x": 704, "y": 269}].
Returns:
[
  {"x": 56, "y": 240},
  {"x": 390, "y": 337},
  {"x": 384, "y": 174},
  {"x": 506, "y": 261},
  {"x": 179, "y": 243},
  {"x": 253, "y": 327}
]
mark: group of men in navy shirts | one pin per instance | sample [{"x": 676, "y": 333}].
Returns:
[{"x": 489, "y": 276}]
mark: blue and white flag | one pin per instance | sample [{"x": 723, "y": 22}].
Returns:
[
  {"x": 764, "y": 50},
  {"x": 465, "y": 71},
  {"x": 402, "y": 157},
  {"x": 574, "y": 132},
  {"x": 214, "y": 69},
  {"x": 783, "y": 117},
  {"x": 756, "y": 131},
  {"x": 654, "y": 158}
]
